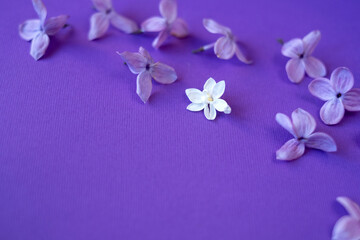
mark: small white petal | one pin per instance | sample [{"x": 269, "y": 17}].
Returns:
[
  {"x": 195, "y": 95},
  {"x": 195, "y": 107},
  {"x": 209, "y": 85}
]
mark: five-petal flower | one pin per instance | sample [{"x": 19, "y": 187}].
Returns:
[
  {"x": 100, "y": 21},
  {"x": 347, "y": 227},
  {"x": 300, "y": 50},
  {"x": 141, "y": 63},
  {"x": 226, "y": 46},
  {"x": 167, "y": 25},
  {"x": 38, "y": 30},
  {"x": 338, "y": 94},
  {"x": 302, "y": 127},
  {"x": 208, "y": 99}
]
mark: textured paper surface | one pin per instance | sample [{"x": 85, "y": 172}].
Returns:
[{"x": 81, "y": 157}]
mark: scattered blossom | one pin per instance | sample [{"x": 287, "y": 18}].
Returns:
[
  {"x": 300, "y": 50},
  {"x": 302, "y": 126},
  {"x": 338, "y": 94},
  {"x": 141, "y": 63},
  {"x": 38, "y": 30},
  {"x": 100, "y": 21},
  {"x": 167, "y": 25},
  {"x": 226, "y": 46},
  {"x": 208, "y": 99}
]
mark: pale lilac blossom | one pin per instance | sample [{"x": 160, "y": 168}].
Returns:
[
  {"x": 302, "y": 126},
  {"x": 226, "y": 46},
  {"x": 168, "y": 24},
  {"x": 141, "y": 63},
  {"x": 38, "y": 30},
  {"x": 347, "y": 227},
  {"x": 339, "y": 94},
  {"x": 300, "y": 50},
  {"x": 208, "y": 99},
  {"x": 100, "y": 21}
]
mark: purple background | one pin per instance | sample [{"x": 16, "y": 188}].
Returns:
[{"x": 81, "y": 157}]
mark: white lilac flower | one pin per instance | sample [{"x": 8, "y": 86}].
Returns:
[{"x": 208, "y": 99}]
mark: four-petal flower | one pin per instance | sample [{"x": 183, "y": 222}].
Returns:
[
  {"x": 100, "y": 21},
  {"x": 338, "y": 94},
  {"x": 347, "y": 227},
  {"x": 141, "y": 63},
  {"x": 226, "y": 46},
  {"x": 167, "y": 25},
  {"x": 208, "y": 99},
  {"x": 302, "y": 127},
  {"x": 38, "y": 30},
  {"x": 300, "y": 50}
]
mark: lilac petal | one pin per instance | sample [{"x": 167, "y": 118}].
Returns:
[
  {"x": 332, "y": 111},
  {"x": 210, "y": 111},
  {"x": 168, "y": 9},
  {"x": 351, "y": 207},
  {"x": 221, "y": 105},
  {"x": 342, "y": 80},
  {"x": 122, "y": 23},
  {"x": 102, "y": 5},
  {"x": 321, "y": 141},
  {"x": 241, "y": 56},
  {"x": 99, "y": 24},
  {"x": 346, "y": 228},
  {"x": 135, "y": 61},
  {"x": 146, "y": 54},
  {"x": 40, "y": 9},
  {"x": 160, "y": 39},
  {"x": 209, "y": 85},
  {"x": 215, "y": 27},
  {"x": 39, "y": 45},
  {"x": 218, "y": 90},
  {"x": 29, "y": 29},
  {"x": 163, "y": 73},
  {"x": 314, "y": 67},
  {"x": 144, "y": 86},
  {"x": 195, "y": 95},
  {"x": 304, "y": 123},
  {"x": 351, "y": 100},
  {"x": 285, "y": 122},
  {"x": 322, "y": 89},
  {"x": 293, "y": 48},
  {"x": 291, "y": 150},
  {"x": 195, "y": 107},
  {"x": 55, "y": 24},
  {"x": 310, "y": 42},
  {"x": 295, "y": 70},
  {"x": 225, "y": 48},
  {"x": 154, "y": 24},
  {"x": 179, "y": 28}
]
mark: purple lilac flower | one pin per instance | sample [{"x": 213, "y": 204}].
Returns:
[
  {"x": 38, "y": 30},
  {"x": 141, "y": 63},
  {"x": 302, "y": 126},
  {"x": 168, "y": 24},
  {"x": 338, "y": 94}
]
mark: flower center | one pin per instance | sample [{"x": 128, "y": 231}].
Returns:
[
  {"x": 210, "y": 99},
  {"x": 301, "y": 55},
  {"x": 301, "y": 138},
  {"x": 108, "y": 11},
  {"x": 147, "y": 67},
  {"x": 339, "y": 95}
]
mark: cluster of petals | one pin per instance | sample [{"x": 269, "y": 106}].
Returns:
[
  {"x": 168, "y": 24},
  {"x": 300, "y": 50},
  {"x": 347, "y": 227},
  {"x": 226, "y": 46},
  {"x": 302, "y": 126},
  {"x": 208, "y": 99},
  {"x": 339, "y": 94},
  {"x": 100, "y": 21},
  {"x": 142, "y": 64},
  {"x": 38, "y": 30}
]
